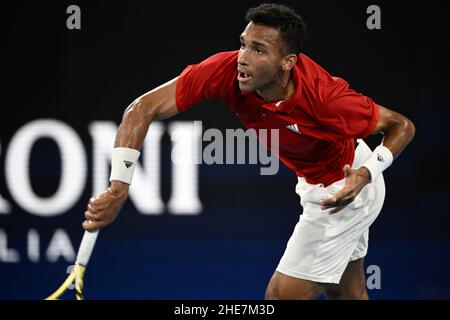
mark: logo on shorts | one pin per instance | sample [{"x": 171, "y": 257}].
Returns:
[
  {"x": 294, "y": 127},
  {"x": 127, "y": 163},
  {"x": 380, "y": 158}
]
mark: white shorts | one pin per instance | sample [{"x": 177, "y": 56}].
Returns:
[{"x": 323, "y": 244}]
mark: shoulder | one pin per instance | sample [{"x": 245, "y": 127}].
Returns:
[
  {"x": 309, "y": 68},
  {"x": 319, "y": 81},
  {"x": 218, "y": 67},
  {"x": 221, "y": 60},
  {"x": 214, "y": 77},
  {"x": 224, "y": 57}
]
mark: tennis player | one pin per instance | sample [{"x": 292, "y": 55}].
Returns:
[{"x": 270, "y": 84}]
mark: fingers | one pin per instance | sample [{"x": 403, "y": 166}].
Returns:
[
  {"x": 338, "y": 202},
  {"x": 99, "y": 203},
  {"x": 93, "y": 220},
  {"x": 347, "y": 170},
  {"x": 328, "y": 203},
  {"x": 337, "y": 198},
  {"x": 91, "y": 216},
  {"x": 337, "y": 209},
  {"x": 91, "y": 208},
  {"x": 90, "y": 225},
  {"x": 101, "y": 210},
  {"x": 344, "y": 196},
  {"x": 96, "y": 218},
  {"x": 93, "y": 203},
  {"x": 342, "y": 203}
]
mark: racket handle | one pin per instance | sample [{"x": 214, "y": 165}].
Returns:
[{"x": 86, "y": 247}]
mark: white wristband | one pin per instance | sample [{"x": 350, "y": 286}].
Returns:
[
  {"x": 123, "y": 163},
  {"x": 380, "y": 159}
]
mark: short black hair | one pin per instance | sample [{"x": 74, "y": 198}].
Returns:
[{"x": 290, "y": 24}]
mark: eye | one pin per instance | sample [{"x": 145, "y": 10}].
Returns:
[
  {"x": 242, "y": 45},
  {"x": 259, "y": 51}
]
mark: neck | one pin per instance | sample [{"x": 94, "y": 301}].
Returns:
[{"x": 280, "y": 89}]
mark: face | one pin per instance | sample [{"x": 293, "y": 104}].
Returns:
[{"x": 260, "y": 59}]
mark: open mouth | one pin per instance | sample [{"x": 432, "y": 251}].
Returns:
[{"x": 243, "y": 77}]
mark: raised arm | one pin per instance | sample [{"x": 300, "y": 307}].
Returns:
[{"x": 159, "y": 103}]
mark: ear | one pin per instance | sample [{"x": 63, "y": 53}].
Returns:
[{"x": 289, "y": 62}]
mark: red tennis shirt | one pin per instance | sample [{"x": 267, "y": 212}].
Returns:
[{"x": 317, "y": 125}]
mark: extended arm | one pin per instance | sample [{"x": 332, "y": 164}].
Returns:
[{"x": 159, "y": 103}]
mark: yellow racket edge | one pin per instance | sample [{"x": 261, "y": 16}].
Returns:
[
  {"x": 77, "y": 273},
  {"x": 77, "y": 276}
]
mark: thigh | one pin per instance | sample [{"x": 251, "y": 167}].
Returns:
[
  {"x": 284, "y": 287},
  {"x": 352, "y": 285}
]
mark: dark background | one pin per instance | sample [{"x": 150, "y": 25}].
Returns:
[{"x": 230, "y": 250}]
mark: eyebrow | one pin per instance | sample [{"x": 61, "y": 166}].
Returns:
[{"x": 255, "y": 43}]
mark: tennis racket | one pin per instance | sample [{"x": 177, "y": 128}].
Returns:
[{"x": 77, "y": 273}]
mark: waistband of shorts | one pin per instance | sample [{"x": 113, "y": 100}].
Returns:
[{"x": 302, "y": 182}]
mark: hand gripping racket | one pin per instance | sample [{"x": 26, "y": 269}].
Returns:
[{"x": 77, "y": 273}]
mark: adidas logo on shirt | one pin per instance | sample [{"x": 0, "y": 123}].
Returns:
[
  {"x": 380, "y": 158},
  {"x": 294, "y": 127}
]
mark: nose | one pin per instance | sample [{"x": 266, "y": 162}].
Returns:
[{"x": 242, "y": 57}]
